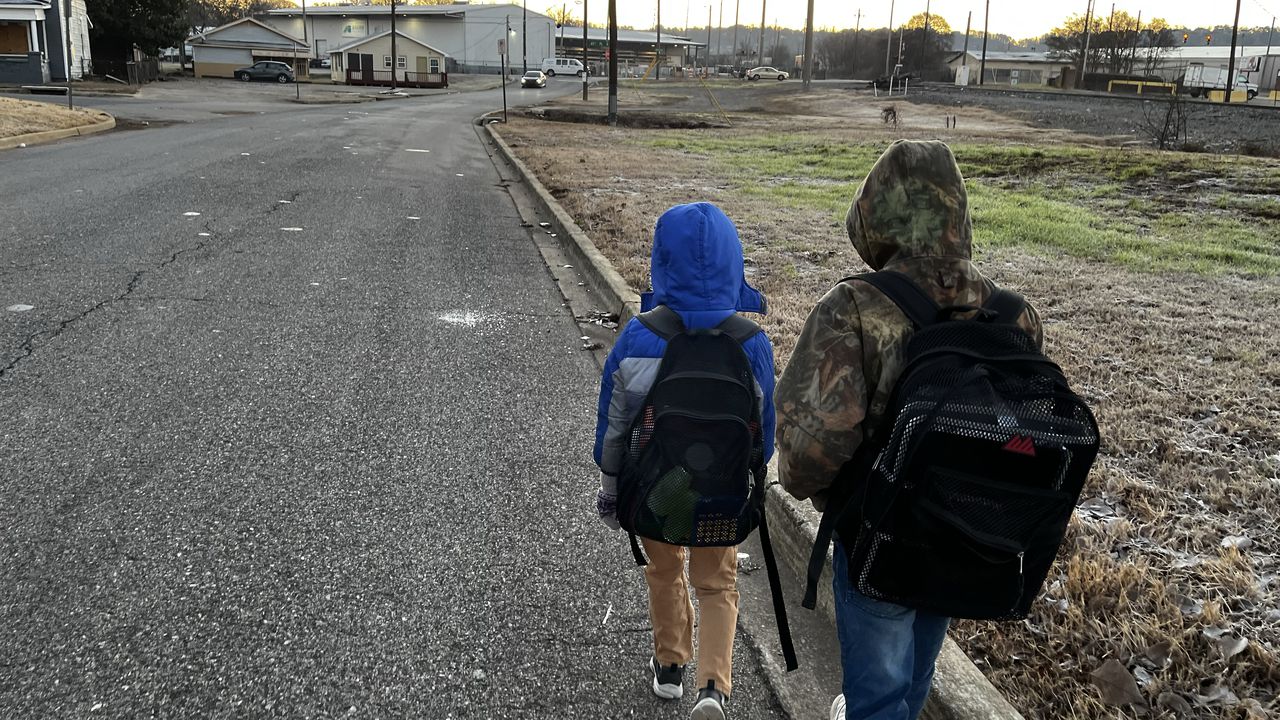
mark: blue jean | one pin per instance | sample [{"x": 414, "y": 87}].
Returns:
[{"x": 887, "y": 651}]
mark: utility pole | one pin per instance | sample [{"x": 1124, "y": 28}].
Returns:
[
  {"x": 1231, "y": 64},
  {"x": 965, "y": 63},
  {"x": 657, "y": 49},
  {"x": 763, "y": 5},
  {"x": 1084, "y": 55},
  {"x": 395, "y": 58},
  {"x": 924, "y": 43},
  {"x": 1266, "y": 66},
  {"x": 707, "y": 62},
  {"x": 297, "y": 86},
  {"x": 613, "y": 63},
  {"x": 524, "y": 36},
  {"x": 857, "y": 30},
  {"x": 888, "y": 44},
  {"x": 737, "y": 5},
  {"x": 720, "y": 35},
  {"x": 986, "y": 23},
  {"x": 808, "y": 47},
  {"x": 71, "y": 103},
  {"x": 586, "y": 72}
]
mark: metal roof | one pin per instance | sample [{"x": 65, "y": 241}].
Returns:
[{"x": 629, "y": 36}]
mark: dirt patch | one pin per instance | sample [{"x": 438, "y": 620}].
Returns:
[
  {"x": 19, "y": 117},
  {"x": 1171, "y": 566},
  {"x": 649, "y": 120}
]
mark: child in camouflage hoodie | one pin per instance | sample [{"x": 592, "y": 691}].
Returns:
[{"x": 910, "y": 215}]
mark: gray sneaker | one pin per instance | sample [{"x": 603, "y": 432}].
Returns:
[
  {"x": 710, "y": 705},
  {"x": 668, "y": 682}
]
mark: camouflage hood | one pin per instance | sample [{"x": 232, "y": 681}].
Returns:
[{"x": 912, "y": 204}]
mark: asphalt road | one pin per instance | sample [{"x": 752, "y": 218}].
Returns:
[{"x": 319, "y": 450}]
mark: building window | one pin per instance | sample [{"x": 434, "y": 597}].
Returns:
[
  {"x": 435, "y": 65},
  {"x": 386, "y": 61},
  {"x": 401, "y": 63}
]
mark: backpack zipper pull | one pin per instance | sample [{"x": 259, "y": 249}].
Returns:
[{"x": 1021, "y": 564}]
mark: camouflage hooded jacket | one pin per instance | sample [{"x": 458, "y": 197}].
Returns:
[{"x": 910, "y": 215}]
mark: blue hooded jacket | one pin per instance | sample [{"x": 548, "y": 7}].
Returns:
[{"x": 696, "y": 270}]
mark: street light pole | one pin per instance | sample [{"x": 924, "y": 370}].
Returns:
[
  {"x": 503, "y": 46},
  {"x": 586, "y": 72},
  {"x": 524, "y": 35}
]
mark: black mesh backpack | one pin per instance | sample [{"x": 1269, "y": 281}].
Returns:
[
  {"x": 958, "y": 503},
  {"x": 693, "y": 472}
]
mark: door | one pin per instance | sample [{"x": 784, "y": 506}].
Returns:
[
  {"x": 366, "y": 65},
  {"x": 422, "y": 65}
]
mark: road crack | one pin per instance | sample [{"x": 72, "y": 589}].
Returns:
[{"x": 28, "y": 346}]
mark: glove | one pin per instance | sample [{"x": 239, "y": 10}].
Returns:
[{"x": 607, "y": 501}]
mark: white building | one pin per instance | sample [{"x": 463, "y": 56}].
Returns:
[
  {"x": 1259, "y": 63},
  {"x": 469, "y": 35}
]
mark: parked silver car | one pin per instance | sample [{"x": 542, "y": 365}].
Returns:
[
  {"x": 266, "y": 70},
  {"x": 766, "y": 72}
]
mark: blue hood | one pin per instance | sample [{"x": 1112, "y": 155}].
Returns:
[{"x": 697, "y": 263}]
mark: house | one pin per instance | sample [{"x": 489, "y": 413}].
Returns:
[
  {"x": 33, "y": 41},
  {"x": 469, "y": 36},
  {"x": 1009, "y": 68},
  {"x": 369, "y": 62},
  {"x": 222, "y": 50}
]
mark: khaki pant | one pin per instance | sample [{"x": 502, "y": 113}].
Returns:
[{"x": 713, "y": 572}]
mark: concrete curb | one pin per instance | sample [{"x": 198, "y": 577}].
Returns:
[
  {"x": 597, "y": 269},
  {"x": 960, "y": 690},
  {"x": 48, "y": 136}
]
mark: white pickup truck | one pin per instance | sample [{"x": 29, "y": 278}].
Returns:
[{"x": 1199, "y": 80}]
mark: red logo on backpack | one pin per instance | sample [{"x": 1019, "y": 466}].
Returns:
[{"x": 1021, "y": 444}]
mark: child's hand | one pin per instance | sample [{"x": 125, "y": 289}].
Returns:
[{"x": 607, "y": 508}]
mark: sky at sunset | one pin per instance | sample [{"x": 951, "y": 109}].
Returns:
[{"x": 1017, "y": 18}]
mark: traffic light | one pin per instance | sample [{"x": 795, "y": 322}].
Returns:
[
  {"x": 1185, "y": 36},
  {"x": 1208, "y": 39}
]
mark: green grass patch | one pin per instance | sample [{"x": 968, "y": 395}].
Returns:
[{"x": 1122, "y": 207}]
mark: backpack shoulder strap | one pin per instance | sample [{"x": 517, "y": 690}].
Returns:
[
  {"x": 1006, "y": 304},
  {"x": 914, "y": 302},
  {"x": 739, "y": 328},
  {"x": 663, "y": 321}
]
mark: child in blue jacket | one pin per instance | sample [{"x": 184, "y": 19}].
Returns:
[{"x": 696, "y": 270}]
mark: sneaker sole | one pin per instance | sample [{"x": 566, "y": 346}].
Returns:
[
  {"x": 667, "y": 692},
  {"x": 708, "y": 709}
]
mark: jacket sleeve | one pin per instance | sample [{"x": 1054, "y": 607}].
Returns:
[
  {"x": 608, "y": 379},
  {"x": 821, "y": 398},
  {"x": 760, "y": 352}
]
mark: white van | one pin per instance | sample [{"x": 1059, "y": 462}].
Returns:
[{"x": 562, "y": 66}]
